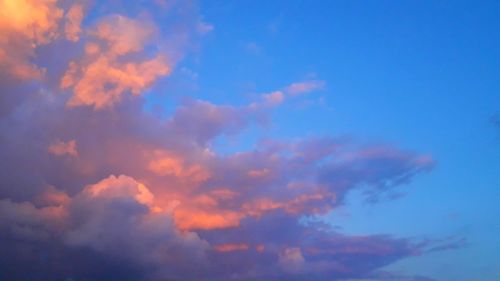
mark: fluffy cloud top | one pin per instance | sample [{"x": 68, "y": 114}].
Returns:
[
  {"x": 104, "y": 73},
  {"x": 25, "y": 25}
]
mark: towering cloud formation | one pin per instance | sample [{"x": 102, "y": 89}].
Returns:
[{"x": 93, "y": 187}]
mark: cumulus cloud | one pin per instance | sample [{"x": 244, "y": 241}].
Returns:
[
  {"x": 117, "y": 213},
  {"x": 103, "y": 75},
  {"x": 113, "y": 217},
  {"x": 25, "y": 25},
  {"x": 94, "y": 187}
]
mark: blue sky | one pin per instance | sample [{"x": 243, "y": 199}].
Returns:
[{"x": 420, "y": 74}]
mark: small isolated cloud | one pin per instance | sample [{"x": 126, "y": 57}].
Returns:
[
  {"x": 304, "y": 87},
  {"x": 273, "y": 99}
]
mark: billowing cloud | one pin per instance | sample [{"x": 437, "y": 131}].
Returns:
[
  {"x": 95, "y": 187},
  {"x": 129, "y": 205},
  {"x": 103, "y": 74},
  {"x": 24, "y": 26}
]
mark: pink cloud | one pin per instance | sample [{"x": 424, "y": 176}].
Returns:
[
  {"x": 64, "y": 148},
  {"x": 304, "y": 87},
  {"x": 24, "y": 26},
  {"x": 103, "y": 76},
  {"x": 273, "y": 99},
  {"x": 74, "y": 17}
]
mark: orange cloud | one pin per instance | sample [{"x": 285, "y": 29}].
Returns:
[
  {"x": 103, "y": 82},
  {"x": 64, "y": 148},
  {"x": 25, "y": 25},
  {"x": 165, "y": 164},
  {"x": 121, "y": 186},
  {"x": 192, "y": 219},
  {"x": 104, "y": 75},
  {"x": 179, "y": 196},
  {"x": 305, "y": 203},
  {"x": 206, "y": 212},
  {"x": 73, "y": 17},
  {"x": 231, "y": 247},
  {"x": 36, "y": 20}
]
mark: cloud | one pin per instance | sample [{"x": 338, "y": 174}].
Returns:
[
  {"x": 62, "y": 148},
  {"x": 202, "y": 121},
  {"x": 379, "y": 167},
  {"x": 231, "y": 247},
  {"x": 113, "y": 218},
  {"x": 117, "y": 213},
  {"x": 273, "y": 99},
  {"x": 142, "y": 187},
  {"x": 95, "y": 187},
  {"x": 165, "y": 164},
  {"x": 73, "y": 17},
  {"x": 292, "y": 260},
  {"x": 103, "y": 75},
  {"x": 25, "y": 25},
  {"x": 304, "y": 87}
]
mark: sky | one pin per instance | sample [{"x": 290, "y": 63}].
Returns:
[{"x": 247, "y": 140}]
